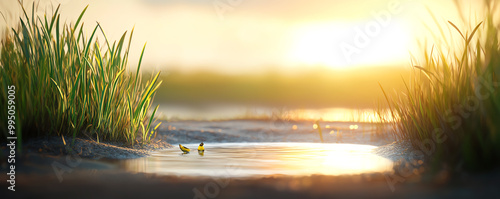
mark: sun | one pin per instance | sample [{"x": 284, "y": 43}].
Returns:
[
  {"x": 350, "y": 44},
  {"x": 315, "y": 45}
]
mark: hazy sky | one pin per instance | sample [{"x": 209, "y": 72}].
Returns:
[{"x": 240, "y": 36}]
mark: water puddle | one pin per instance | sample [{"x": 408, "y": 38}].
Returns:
[{"x": 262, "y": 159}]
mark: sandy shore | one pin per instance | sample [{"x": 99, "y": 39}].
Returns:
[
  {"x": 182, "y": 132},
  {"x": 87, "y": 169},
  {"x": 91, "y": 149}
]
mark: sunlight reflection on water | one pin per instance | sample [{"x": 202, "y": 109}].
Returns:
[
  {"x": 261, "y": 159},
  {"x": 170, "y": 112}
]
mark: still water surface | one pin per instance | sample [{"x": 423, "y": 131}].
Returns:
[{"x": 262, "y": 159}]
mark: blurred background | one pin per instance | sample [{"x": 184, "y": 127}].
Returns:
[{"x": 250, "y": 59}]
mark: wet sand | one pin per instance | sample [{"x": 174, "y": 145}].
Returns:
[{"x": 183, "y": 132}]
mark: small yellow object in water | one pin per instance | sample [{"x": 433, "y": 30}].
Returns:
[
  {"x": 184, "y": 149},
  {"x": 201, "y": 148}
]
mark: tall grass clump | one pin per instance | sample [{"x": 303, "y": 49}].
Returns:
[
  {"x": 70, "y": 84},
  {"x": 451, "y": 107}
]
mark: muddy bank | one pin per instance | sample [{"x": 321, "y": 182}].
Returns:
[
  {"x": 89, "y": 148},
  {"x": 399, "y": 151}
]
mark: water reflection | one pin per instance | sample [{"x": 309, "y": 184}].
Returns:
[
  {"x": 226, "y": 112},
  {"x": 259, "y": 159}
]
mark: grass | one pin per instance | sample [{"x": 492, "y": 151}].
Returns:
[
  {"x": 70, "y": 84},
  {"x": 451, "y": 106}
]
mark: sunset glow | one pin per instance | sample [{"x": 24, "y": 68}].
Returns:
[
  {"x": 345, "y": 45},
  {"x": 258, "y": 36}
]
